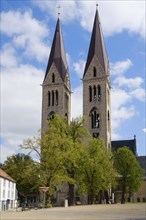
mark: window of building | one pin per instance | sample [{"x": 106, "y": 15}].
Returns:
[
  {"x": 53, "y": 78},
  {"x": 51, "y": 115},
  {"x": 95, "y": 135},
  {"x": 3, "y": 193},
  {"x": 108, "y": 116},
  {"x": 56, "y": 97},
  {"x": 8, "y": 194},
  {"x": 49, "y": 98},
  {"x": 90, "y": 93},
  {"x": 66, "y": 115},
  {"x": 4, "y": 182},
  {"x": 94, "y": 92},
  {"x": 95, "y": 120},
  {"x": 52, "y": 98},
  {"x": 99, "y": 92},
  {"x": 94, "y": 72}
]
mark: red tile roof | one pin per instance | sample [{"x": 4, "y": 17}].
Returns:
[{"x": 6, "y": 176}]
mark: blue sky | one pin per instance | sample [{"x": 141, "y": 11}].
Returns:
[{"x": 27, "y": 29}]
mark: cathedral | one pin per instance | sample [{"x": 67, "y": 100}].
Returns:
[
  {"x": 96, "y": 85},
  {"x": 56, "y": 95}
]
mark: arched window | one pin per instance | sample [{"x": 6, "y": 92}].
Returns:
[
  {"x": 94, "y": 92},
  {"x": 90, "y": 93},
  {"x": 95, "y": 120},
  {"x": 52, "y": 98},
  {"x": 94, "y": 72},
  {"x": 66, "y": 115},
  {"x": 51, "y": 115},
  {"x": 49, "y": 98},
  {"x": 108, "y": 116},
  {"x": 99, "y": 92},
  {"x": 53, "y": 78},
  {"x": 92, "y": 120},
  {"x": 56, "y": 97}
]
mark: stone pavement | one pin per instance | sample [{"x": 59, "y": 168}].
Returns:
[{"x": 88, "y": 212}]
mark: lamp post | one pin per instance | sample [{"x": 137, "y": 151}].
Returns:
[{"x": 44, "y": 189}]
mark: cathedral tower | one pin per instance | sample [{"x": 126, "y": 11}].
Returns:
[
  {"x": 56, "y": 84},
  {"x": 96, "y": 87}
]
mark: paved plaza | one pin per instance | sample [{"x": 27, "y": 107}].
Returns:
[{"x": 98, "y": 212}]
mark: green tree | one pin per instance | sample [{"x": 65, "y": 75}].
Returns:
[
  {"x": 96, "y": 169},
  {"x": 59, "y": 152},
  {"x": 24, "y": 171},
  {"x": 129, "y": 172},
  {"x": 52, "y": 149},
  {"x": 76, "y": 134}
]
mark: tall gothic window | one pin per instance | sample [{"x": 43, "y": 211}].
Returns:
[
  {"x": 94, "y": 92},
  {"x": 90, "y": 93},
  {"x": 49, "y": 98},
  {"x": 52, "y": 98},
  {"x": 94, "y": 72},
  {"x": 56, "y": 97},
  {"x": 95, "y": 120},
  {"x": 99, "y": 92},
  {"x": 108, "y": 116},
  {"x": 53, "y": 78}
]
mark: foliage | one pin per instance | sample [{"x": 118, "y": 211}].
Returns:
[
  {"x": 129, "y": 172},
  {"x": 96, "y": 169},
  {"x": 59, "y": 152},
  {"x": 24, "y": 171},
  {"x": 76, "y": 134}
]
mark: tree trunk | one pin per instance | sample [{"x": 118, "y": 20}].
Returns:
[
  {"x": 90, "y": 197},
  {"x": 123, "y": 195},
  {"x": 71, "y": 200},
  {"x": 106, "y": 195}
]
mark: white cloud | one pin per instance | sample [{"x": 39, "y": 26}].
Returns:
[
  {"x": 131, "y": 83},
  {"x": 125, "y": 91},
  {"x": 139, "y": 94},
  {"x": 68, "y": 9},
  {"x": 144, "y": 130},
  {"x": 119, "y": 98},
  {"x": 20, "y": 101},
  {"x": 77, "y": 102},
  {"x": 79, "y": 67},
  {"x": 26, "y": 33},
  {"x": 120, "y": 67},
  {"x": 127, "y": 15},
  {"x": 8, "y": 58}
]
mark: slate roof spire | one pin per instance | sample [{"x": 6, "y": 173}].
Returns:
[
  {"x": 57, "y": 54},
  {"x": 97, "y": 45}
]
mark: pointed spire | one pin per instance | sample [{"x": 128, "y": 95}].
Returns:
[
  {"x": 57, "y": 54},
  {"x": 97, "y": 46}
]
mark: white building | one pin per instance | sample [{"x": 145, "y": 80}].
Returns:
[{"x": 7, "y": 192}]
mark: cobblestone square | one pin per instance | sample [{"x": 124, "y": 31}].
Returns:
[{"x": 88, "y": 212}]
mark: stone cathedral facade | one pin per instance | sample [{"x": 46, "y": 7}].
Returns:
[
  {"x": 96, "y": 85},
  {"x": 56, "y": 96},
  {"x": 56, "y": 84}
]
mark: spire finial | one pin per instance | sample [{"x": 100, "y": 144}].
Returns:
[
  {"x": 97, "y": 5},
  {"x": 58, "y": 10}
]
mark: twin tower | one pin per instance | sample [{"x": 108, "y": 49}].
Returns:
[{"x": 96, "y": 85}]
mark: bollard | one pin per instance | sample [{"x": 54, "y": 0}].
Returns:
[{"x": 66, "y": 203}]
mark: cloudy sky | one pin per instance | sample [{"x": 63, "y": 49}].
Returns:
[{"x": 27, "y": 29}]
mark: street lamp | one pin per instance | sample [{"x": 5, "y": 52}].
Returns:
[{"x": 44, "y": 189}]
